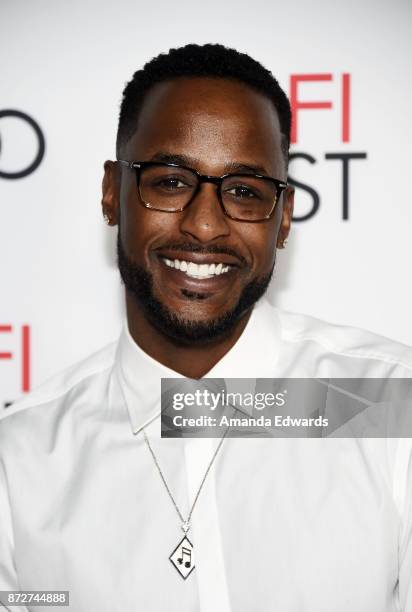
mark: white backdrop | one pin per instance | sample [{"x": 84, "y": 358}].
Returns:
[{"x": 65, "y": 64}]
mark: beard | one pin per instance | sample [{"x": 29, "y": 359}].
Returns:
[{"x": 139, "y": 284}]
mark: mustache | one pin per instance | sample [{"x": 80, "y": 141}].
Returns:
[{"x": 212, "y": 249}]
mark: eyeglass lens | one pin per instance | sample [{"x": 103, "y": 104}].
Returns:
[{"x": 170, "y": 189}]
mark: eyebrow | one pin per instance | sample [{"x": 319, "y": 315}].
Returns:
[{"x": 190, "y": 162}]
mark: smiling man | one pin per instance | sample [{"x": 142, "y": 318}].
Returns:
[
  {"x": 195, "y": 193},
  {"x": 92, "y": 500}
]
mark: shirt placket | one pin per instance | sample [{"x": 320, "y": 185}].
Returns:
[{"x": 205, "y": 530}]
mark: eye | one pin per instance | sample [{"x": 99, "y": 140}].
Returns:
[
  {"x": 241, "y": 192},
  {"x": 171, "y": 183}
]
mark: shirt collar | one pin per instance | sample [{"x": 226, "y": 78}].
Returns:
[{"x": 254, "y": 355}]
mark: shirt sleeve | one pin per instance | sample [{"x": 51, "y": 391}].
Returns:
[
  {"x": 405, "y": 543},
  {"x": 8, "y": 575}
]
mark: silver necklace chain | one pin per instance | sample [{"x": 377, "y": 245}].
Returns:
[{"x": 185, "y": 523}]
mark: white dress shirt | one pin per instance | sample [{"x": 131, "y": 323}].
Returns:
[{"x": 285, "y": 525}]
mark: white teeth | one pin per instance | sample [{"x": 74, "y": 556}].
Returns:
[
  {"x": 192, "y": 269},
  {"x": 197, "y": 270}
]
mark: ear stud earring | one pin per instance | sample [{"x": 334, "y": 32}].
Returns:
[
  {"x": 106, "y": 218},
  {"x": 284, "y": 243}
]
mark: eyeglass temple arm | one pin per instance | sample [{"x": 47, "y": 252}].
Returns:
[{"x": 131, "y": 165}]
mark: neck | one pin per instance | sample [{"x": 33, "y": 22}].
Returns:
[{"x": 190, "y": 361}]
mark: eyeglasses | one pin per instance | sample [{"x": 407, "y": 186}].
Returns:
[{"x": 168, "y": 187}]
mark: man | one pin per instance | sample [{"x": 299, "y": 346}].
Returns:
[{"x": 92, "y": 500}]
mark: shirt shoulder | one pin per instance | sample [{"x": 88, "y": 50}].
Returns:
[
  {"x": 61, "y": 384},
  {"x": 60, "y": 416},
  {"x": 349, "y": 343}
]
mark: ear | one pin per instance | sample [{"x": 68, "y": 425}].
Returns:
[
  {"x": 110, "y": 192},
  {"x": 287, "y": 212}
]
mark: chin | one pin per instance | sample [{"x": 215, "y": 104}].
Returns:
[{"x": 173, "y": 316}]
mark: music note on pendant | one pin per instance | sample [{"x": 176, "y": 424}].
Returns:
[
  {"x": 182, "y": 558},
  {"x": 188, "y": 553}
]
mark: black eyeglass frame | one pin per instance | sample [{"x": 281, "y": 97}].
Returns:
[{"x": 204, "y": 178}]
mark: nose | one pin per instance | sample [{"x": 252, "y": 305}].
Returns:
[{"x": 204, "y": 220}]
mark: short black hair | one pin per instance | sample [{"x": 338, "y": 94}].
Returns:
[{"x": 210, "y": 60}]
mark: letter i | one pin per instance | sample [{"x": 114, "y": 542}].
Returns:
[
  {"x": 25, "y": 346},
  {"x": 346, "y": 107}
]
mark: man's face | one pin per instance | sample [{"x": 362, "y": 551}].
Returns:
[{"x": 214, "y": 126}]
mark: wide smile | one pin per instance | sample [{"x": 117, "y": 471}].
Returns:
[{"x": 198, "y": 273}]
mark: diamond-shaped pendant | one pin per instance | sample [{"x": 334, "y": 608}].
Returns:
[{"x": 182, "y": 558}]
